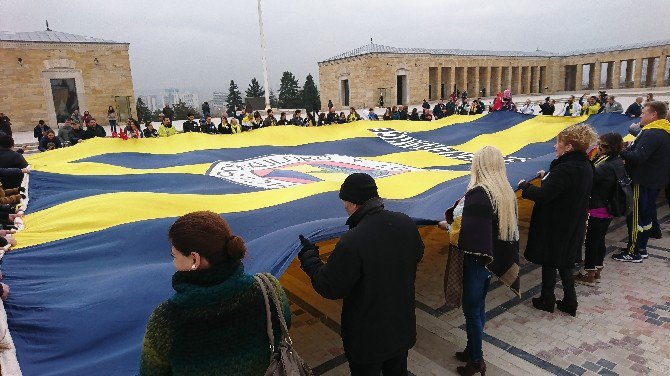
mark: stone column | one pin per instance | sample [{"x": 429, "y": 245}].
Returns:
[
  {"x": 637, "y": 75},
  {"x": 595, "y": 73},
  {"x": 616, "y": 74},
  {"x": 661, "y": 70},
  {"x": 499, "y": 83},
  {"x": 628, "y": 80},
  {"x": 439, "y": 83},
  {"x": 609, "y": 77},
  {"x": 528, "y": 81},
  {"x": 477, "y": 88},
  {"x": 650, "y": 79},
  {"x": 487, "y": 80},
  {"x": 536, "y": 81},
  {"x": 465, "y": 79},
  {"x": 579, "y": 75}
]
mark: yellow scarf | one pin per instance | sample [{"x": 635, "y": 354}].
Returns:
[{"x": 658, "y": 124}]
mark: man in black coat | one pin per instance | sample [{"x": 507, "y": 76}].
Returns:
[
  {"x": 373, "y": 268},
  {"x": 5, "y": 124},
  {"x": 93, "y": 129},
  {"x": 558, "y": 223},
  {"x": 648, "y": 162},
  {"x": 10, "y": 159},
  {"x": 635, "y": 109},
  {"x": 190, "y": 125}
]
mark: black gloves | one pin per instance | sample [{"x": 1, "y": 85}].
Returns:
[{"x": 306, "y": 246}]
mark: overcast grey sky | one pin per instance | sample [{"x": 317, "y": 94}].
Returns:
[{"x": 203, "y": 44}]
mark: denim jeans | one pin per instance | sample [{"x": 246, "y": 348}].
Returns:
[{"x": 476, "y": 279}]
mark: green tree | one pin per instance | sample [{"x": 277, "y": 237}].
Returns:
[
  {"x": 154, "y": 115},
  {"x": 310, "y": 95},
  {"x": 274, "y": 103},
  {"x": 234, "y": 98},
  {"x": 181, "y": 111},
  {"x": 255, "y": 89},
  {"x": 143, "y": 113},
  {"x": 289, "y": 91}
]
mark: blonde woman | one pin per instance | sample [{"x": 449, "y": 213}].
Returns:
[
  {"x": 484, "y": 234},
  {"x": 558, "y": 222}
]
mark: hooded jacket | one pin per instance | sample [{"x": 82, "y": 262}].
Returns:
[{"x": 648, "y": 158}]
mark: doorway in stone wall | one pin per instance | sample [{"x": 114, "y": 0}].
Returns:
[
  {"x": 65, "y": 98},
  {"x": 401, "y": 89}
]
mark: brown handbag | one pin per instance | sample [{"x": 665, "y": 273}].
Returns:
[{"x": 284, "y": 360}]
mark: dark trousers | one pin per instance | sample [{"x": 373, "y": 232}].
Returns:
[
  {"x": 640, "y": 220},
  {"x": 594, "y": 248},
  {"x": 396, "y": 366},
  {"x": 476, "y": 280},
  {"x": 549, "y": 283}
]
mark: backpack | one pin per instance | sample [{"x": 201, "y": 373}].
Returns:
[{"x": 620, "y": 202}]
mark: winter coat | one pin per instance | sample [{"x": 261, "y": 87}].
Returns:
[
  {"x": 150, "y": 133},
  {"x": 591, "y": 109},
  {"x": 269, "y": 121},
  {"x": 648, "y": 158},
  {"x": 191, "y": 126},
  {"x": 11, "y": 159},
  {"x": 373, "y": 268},
  {"x": 605, "y": 180},
  {"x": 214, "y": 324},
  {"x": 572, "y": 109},
  {"x": 558, "y": 222},
  {"x": 209, "y": 128},
  {"x": 6, "y": 125},
  {"x": 65, "y": 133},
  {"x": 164, "y": 131},
  {"x": 38, "y": 132},
  {"x": 613, "y": 108},
  {"x": 47, "y": 144},
  {"x": 634, "y": 110},
  {"x": 547, "y": 108},
  {"x": 97, "y": 131}
]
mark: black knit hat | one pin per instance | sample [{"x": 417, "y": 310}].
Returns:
[{"x": 358, "y": 188}]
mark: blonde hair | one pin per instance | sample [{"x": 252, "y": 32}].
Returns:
[
  {"x": 488, "y": 171},
  {"x": 580, "y": 136}
]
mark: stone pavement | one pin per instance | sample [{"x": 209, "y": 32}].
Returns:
[{"x": 622, "y": 325}]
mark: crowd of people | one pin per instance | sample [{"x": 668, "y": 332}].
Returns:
[
  {"x": 79, "y": 127},
  {"x": 373, "y": 265},
  {"x": 13, "y": 167}
]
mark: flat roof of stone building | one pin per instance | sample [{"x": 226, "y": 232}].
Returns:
[
  {"x": 373, "y": 48},
  {"x": 50, "y": 36}
]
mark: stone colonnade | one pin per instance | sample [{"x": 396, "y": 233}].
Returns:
[
  {"x": 486, "y": 80},
  {"x": 640, "y": 72}
]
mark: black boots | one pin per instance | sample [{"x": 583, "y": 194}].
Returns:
[
  {"x": 463, "y": 356},
  {"x": 472, "y": 368},
  {"x": 544, "y": 304},
  {"x": 568, "y": 307}
]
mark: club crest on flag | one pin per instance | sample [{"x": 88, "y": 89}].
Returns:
[{"x": 287, "y": 170}]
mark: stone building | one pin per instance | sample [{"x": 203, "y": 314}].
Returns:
[
  {"x": 47, "y": 74},
  {"x": 408, "y": 75}
]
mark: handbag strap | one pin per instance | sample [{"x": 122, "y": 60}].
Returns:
[
  {"x": 273, "y": 294},
  {"x": 268, "y": 313}
]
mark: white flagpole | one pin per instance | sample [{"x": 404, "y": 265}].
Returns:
[{"x": 265, "y": 59}]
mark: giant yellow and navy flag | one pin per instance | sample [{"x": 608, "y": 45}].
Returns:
[{"x": 93, "y": 260}]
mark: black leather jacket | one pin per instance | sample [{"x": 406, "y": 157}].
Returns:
[{"x": 605, "y": 181}]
